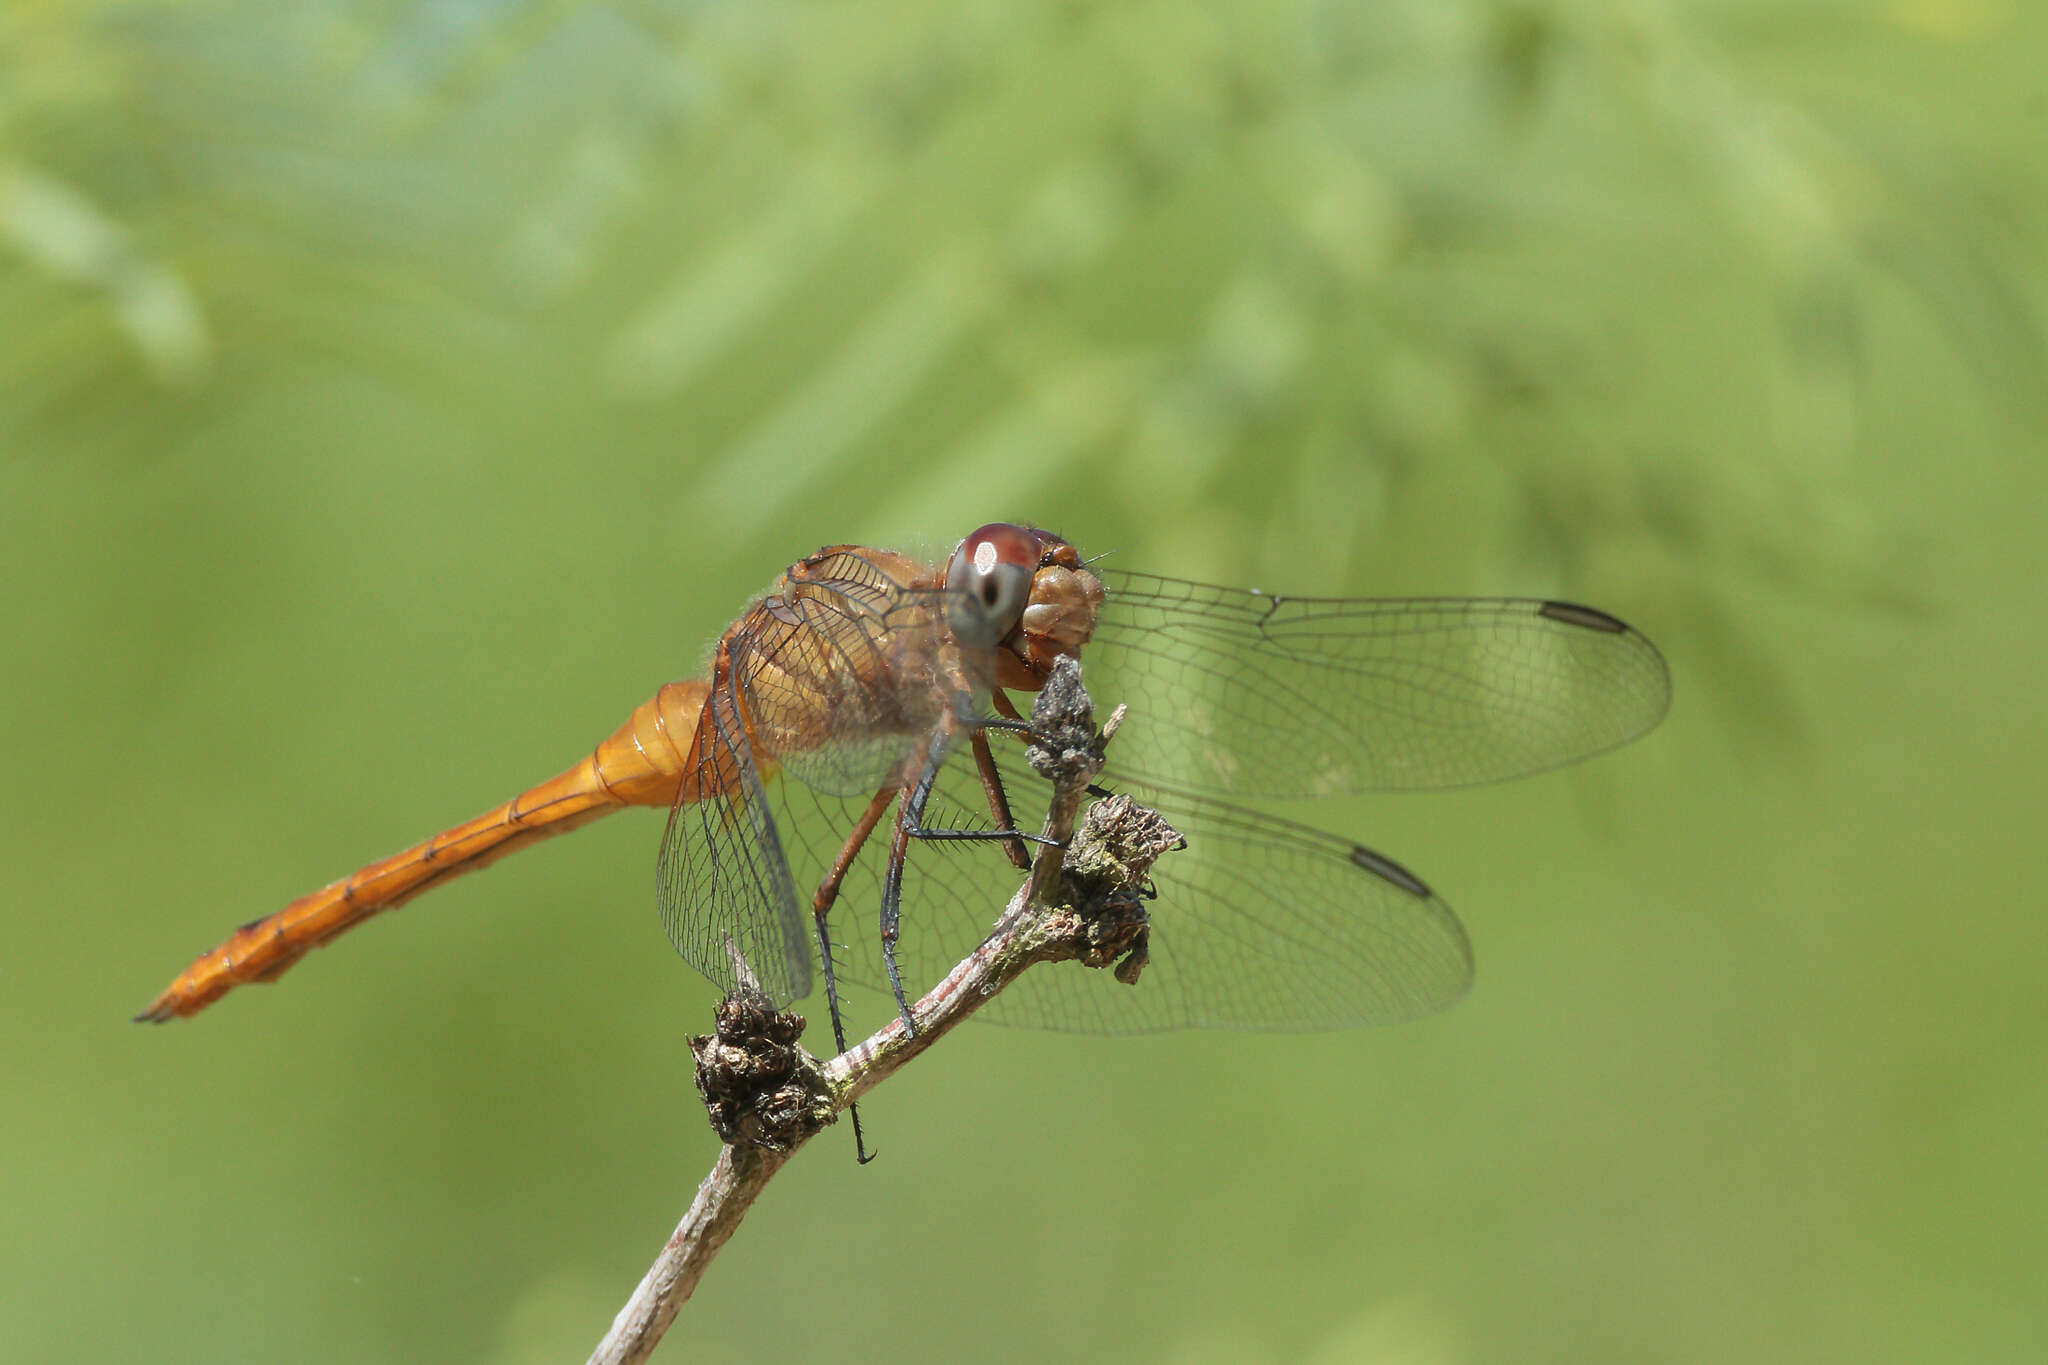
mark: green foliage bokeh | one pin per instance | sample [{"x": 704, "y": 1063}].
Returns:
[{"x": 392, "y": 395}]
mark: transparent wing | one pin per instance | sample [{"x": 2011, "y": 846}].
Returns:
[
  {"x": 722, "y": 880},
  {"x": 1259, "y": 923},
  {"x": 1247, "y": 693},
  {"x": 829, "y": 687}
]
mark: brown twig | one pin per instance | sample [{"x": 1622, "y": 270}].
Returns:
[
  {"x": 722, "y": 1200},
  {"x": 1080, "y": 903}
]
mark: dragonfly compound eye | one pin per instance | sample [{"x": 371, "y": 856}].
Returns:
[{"x": 988, "y": 584}]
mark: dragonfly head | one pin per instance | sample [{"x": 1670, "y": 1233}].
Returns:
[{"x": 1022, "y": 595}]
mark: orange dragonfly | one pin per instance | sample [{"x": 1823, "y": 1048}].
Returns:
[{"x": 869, "y": 691}]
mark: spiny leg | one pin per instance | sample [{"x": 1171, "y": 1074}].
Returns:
[
  {"x": 1007, "y": 709},
  {"x": 908, "y": 813},
  {"x": 892, "y": 889},
  {"x": 821, "y": 906},
  {"x": 909, "y": 825},
  {"x": 998, "y": 801}
]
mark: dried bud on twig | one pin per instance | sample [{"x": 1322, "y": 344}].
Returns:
[{"x": 760, "y": 1089}]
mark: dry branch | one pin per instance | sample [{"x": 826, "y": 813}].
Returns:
[{"x": 1081, "y": 902}]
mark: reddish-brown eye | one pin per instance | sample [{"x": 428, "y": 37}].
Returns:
[{"x": 989, "y": 583}]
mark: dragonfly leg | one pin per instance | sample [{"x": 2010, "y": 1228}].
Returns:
[
  {"x": 1014, "y": 840},
  {"x": 998, "y": 800},
  {"x": 821, "y": 907},
  {"x": 966, "y": 716},
  {"x": 828, "y": 889},
  {"x": 1006, "y": 717},
  {"x": 909, "y": 825},
  {"x": 892, "y": 898},
  {"x": 909, "y": 812},
  {"x": 986, "y": 836},
  {"x": 861, "y": 1155}
]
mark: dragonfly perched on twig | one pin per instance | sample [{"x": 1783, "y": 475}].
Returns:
[{"x": 863, "y": 708}]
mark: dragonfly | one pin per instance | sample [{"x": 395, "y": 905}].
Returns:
[{"x": 864, "y": 708}]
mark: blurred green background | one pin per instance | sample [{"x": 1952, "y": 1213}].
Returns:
[{"x": 394, "y": 394}]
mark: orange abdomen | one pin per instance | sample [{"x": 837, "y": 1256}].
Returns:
[{"x": 640, "y": 765}]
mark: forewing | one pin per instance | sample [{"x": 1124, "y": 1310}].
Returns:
[
  {"x": 1246, "y": 693},
  {"x": 723, "y": 881}
]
